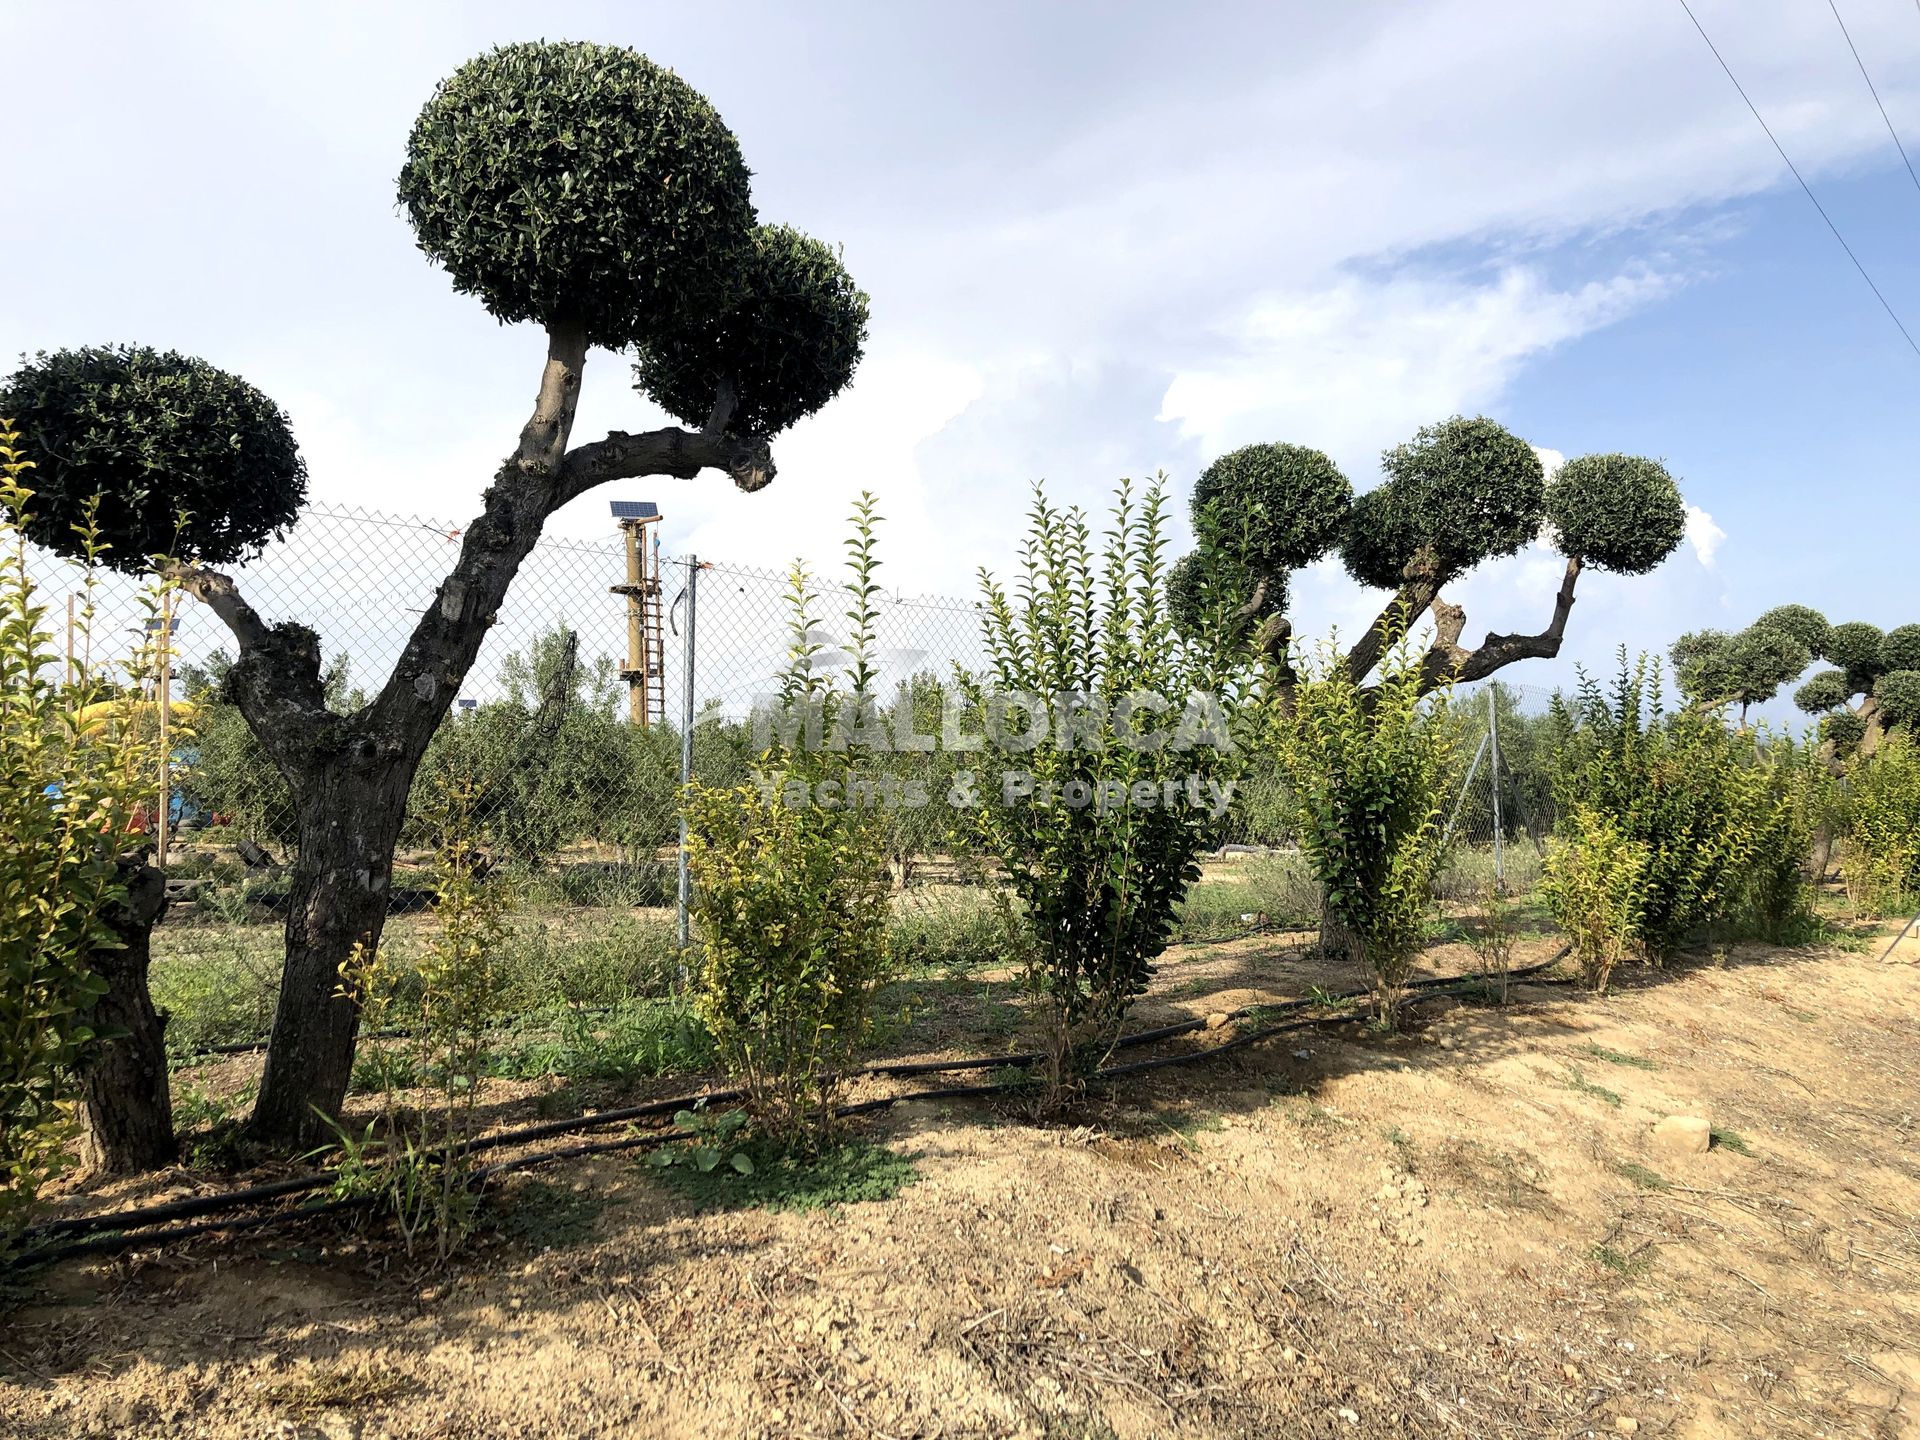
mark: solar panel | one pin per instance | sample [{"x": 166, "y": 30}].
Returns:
[
  {"x": 635, "y": 510},
  {"x": 469, "y": 704}
]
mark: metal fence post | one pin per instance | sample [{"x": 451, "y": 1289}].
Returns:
[
  {"x": 688, "y": 652},
  {"x": 1493, "y": 771}
]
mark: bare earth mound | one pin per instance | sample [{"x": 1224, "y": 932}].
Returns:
[{"x": 1468, "y": 1231}]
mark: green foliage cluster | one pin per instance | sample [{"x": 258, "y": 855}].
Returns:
[
  {"x": 1719, "y": 824},
  {"x": 1618, "y": 512},
  {"x": 1368, "y": 771},
  {"x": 578, "y": 182},
  {"x": 790, "y": 904},
  {"x": 787, "y": 346},
  {"x": 173, "y": 456},
  {"x": 1796, "y": 798},
  {"x": 1463, "y": 491},
  {"x": 1098, "y": 883},
  {"x": 412, "y": 1159},
  {"x": 1595, "y": 884},
  {"x": 70, "y": 784},
  {"x": 1882, "y": 864},
  {"x": 849, "y": 1171},
  {"x": 1751, "y": 666},
  {"x": 1460, "y": 492}
]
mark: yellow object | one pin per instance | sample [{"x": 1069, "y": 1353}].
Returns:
[{"x": 94, "y": 718}]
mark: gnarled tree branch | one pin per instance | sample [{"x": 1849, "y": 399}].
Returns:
[
  {"x": 673, "y": 451},
  {"x": 1448, "y": 660},
  {"x": 219, "y": 594}
]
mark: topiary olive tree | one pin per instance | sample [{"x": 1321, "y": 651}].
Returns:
[
  {"x": 1746, "y": 669},
  {"x": 578, "y": 187},
  {"x": 1456, "y": 495},
  {"x": 1881, "y": 668}
]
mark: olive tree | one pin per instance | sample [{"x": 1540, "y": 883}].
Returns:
[
  {"x": 1872, "y": 688},
  {"x": 580, "y": 188},
  {"x": 1458, "y": 494}
]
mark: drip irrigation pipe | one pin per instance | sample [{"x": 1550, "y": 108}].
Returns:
[{"x": 141, "y": 1222}]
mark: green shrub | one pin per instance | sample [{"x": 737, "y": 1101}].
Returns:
[
  {"x": 790, "y": 905},
  {"x": 1368, "y": 770},
  {"x": 1882, "y": 857},
  {"x": 1595, "y": 886},
  {"x": 1778, "y": 901},
  {"x": 1681, "y": 785},
  {"x": 1098, "y": 875},
  {"x": 412, "y": 1159},
  {"x": 70, "y": 783}
]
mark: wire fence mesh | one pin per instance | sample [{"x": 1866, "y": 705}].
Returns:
[{"x": 581, "y": 804}]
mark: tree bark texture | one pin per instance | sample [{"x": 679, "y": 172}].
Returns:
[{"x": 125, "y": 1101}]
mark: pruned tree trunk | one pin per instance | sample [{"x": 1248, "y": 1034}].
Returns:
[
  {"x": 350, "y": 815},
  {"x": 126, "y": 1105}
]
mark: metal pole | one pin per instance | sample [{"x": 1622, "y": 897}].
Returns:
[
  {"x": 686, "y": 745},
  {"x": 165, "y": 687},
  {"x": 1466, "y": 787},
  {"x": 1493, "y": 771},
  {"x": 73, "y": 668}
]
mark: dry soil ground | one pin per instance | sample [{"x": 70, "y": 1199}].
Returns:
[{"x": 1467, "y": 1231}]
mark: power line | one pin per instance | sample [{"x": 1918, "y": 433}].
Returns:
[
  {"x": 1871, "y": 90},
  {"x": 1905, "y": 334}
]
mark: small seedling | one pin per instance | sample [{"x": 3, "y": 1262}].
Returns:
[
  {"x": 1619, "y": 1057},
  {"x": 1631, "y": 1266},
  {"x": 1643, "y": 1177},
  {"x": 1731, "y": 1140},
  {"x": 1576, "y": 1081},
  {"x": 712, "y": 1142}
]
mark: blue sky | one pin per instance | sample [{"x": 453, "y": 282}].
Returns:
[{"x": 1099, "y": 240}]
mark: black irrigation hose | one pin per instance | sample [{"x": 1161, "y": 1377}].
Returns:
[{"x": 142, "y": 1220}]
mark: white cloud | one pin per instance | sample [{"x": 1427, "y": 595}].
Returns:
[
  {"x": 1703, "y": 535},
  {"x": 1355, "y": 366}
]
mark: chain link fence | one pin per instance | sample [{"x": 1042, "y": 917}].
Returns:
[{"x": 579, "y": 802}]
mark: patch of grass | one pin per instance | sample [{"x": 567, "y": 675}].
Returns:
[
  {"x": 1618, "y": 1057},
  {"x": 1619, "y": 1262},
  {"x": 1643, "y": 1177},
  {"x": 1575, "y": 1080},
  {"x": 546, "y": 1216},
  {"x": 1731, "y": 1140},
  {"x": 637, "y": 1040},
  {"x": 847, "y": 1173}
]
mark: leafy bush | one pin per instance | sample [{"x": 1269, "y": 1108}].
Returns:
[
  {"x": 1882, "y": 864},
  {"x": 1681, "y": 785},
  {"x": 790, "y": 904},
  {"x": 1368, "y": 770},
  {"x": 1793, "y": 799},
  {"x": 413, "y": 1160},
  {"x": 1595, "y": 885},
  {"x": 1098, "y": 875},
  {"x": 69, "y": 788}
]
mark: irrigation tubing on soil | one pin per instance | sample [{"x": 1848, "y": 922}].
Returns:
[{"x": 135, "y": 1229}]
